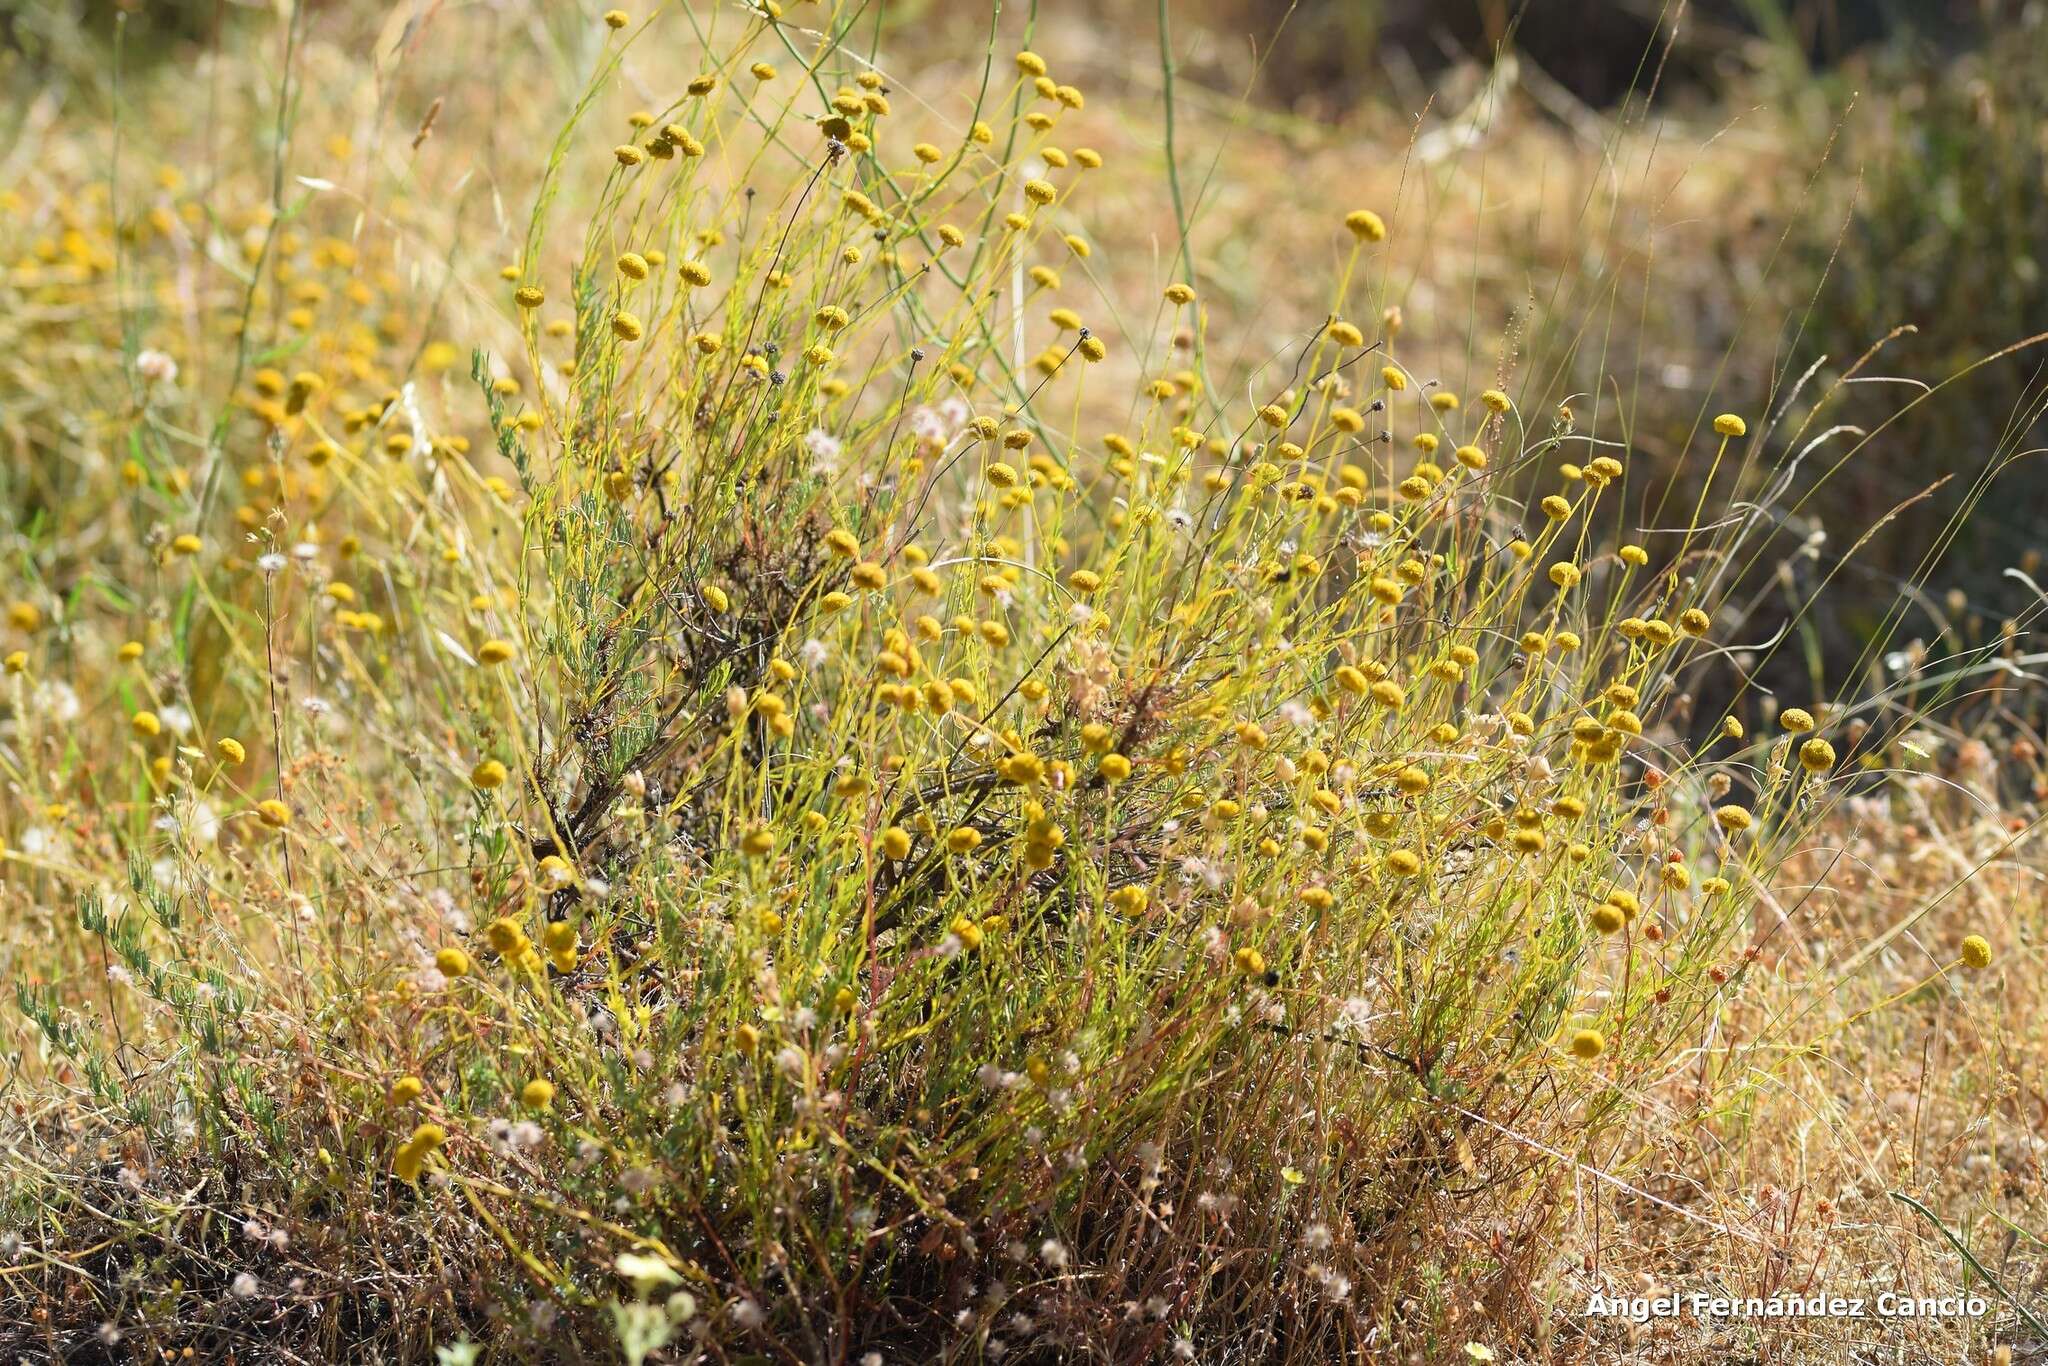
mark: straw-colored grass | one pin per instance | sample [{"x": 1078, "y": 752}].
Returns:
[{"x": 668, "y": 699}]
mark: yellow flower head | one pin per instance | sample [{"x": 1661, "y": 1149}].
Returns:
[
  {"x": 1366, "y": 225},
  {"x": 413, "y": 1153},
  {"x": 1816, "y": 755}
]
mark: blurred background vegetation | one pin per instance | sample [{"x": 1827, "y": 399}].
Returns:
[{"x": 1740, "y": 191}]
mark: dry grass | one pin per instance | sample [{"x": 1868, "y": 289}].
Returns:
[{"x": 537, "y": 820}]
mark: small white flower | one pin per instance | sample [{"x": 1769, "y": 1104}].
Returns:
[
  {"x": 245, "y": 1286},
  {"x": 156, "y": 367},
  {"x": 59, "y": 701},
  {"x": 825, "y": 449}
]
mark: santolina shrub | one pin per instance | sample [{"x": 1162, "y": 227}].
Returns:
[{"x": 839, "y": 796}]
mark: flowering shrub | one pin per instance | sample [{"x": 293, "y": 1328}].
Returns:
[{"x": 815, "y": 794}]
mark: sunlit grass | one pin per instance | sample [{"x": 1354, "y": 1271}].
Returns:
[{"x": 768, "y": 766}]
